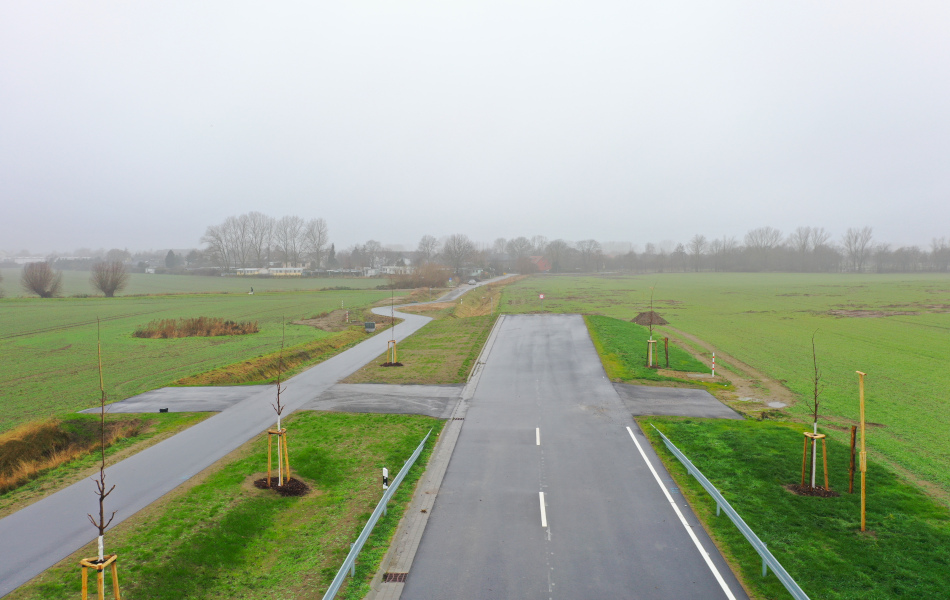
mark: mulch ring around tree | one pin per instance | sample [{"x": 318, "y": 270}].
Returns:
[
  {"x": 391, "y": 364},
  {"x": 807, "y": 490},
  {"x": 291, "y": 487}
]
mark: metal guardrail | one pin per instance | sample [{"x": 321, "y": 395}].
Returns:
[
  {"x": 768, "y": 561},
  {"x": 349, "y": 565}
]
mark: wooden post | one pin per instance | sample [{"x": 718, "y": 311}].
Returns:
[
  {"x": 283, "y": 464},
  {"x": 824, "y": 458},
  {"x": 854, "y": 431},
  {"x": 864, "y": 453},
  {"x": 93, "y": 563},
  {"x": 804, "y": 459},
  {"x": 666, "y": 351}
]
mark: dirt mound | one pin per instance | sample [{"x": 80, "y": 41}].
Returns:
[
  {"x": 649, "y": 318},
  {"x": 870, "y": 314},
  {"x": 330, "y": 321},
  {"x": 291, "y": 487}
]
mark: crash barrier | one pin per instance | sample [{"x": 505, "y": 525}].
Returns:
[
  {"x": 768, "y": 561},
  {"x": 349, "y": 565}
]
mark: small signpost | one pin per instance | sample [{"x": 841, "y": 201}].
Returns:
[{"x": 542, "y": 300}]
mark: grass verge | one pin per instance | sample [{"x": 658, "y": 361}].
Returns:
[
  {"x": 904, "y": 554},
  {"x": 264, "y": 369},
  {"x": 622, "y": 347},
  {"x": 223, "y": 538},
  {"x": 443, "y": 351},
  {"x": 74, "y": 439}
]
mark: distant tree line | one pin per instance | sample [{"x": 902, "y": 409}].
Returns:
[
  {"x": 258, "y": 240},
  {"x": 254, "y": 240}
]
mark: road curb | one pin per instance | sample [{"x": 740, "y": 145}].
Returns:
[{"x": 402, "y": 550}]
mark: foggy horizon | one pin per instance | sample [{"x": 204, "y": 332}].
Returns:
[{"x": 139, "y": 126}]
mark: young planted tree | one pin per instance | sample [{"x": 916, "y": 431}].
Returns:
[
  {"x": 279, "y": 408},
  {"x": 40, "y": 279},
  {"x": 813, "y": 405},
  {"x": 101, "y": 524},
  {"x": 109, "y": 277}
]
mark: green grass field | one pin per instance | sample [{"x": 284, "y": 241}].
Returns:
[
  {"x": 904, "y": 554},
  {"x": 622, "y": 347},
  {"x": 767, "y": 321},
  {"x": 222, "y": 538},
  {"x": 48, "y": 346},
  {"x": 77, "y": 282}
]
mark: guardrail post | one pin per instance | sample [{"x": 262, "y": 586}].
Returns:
[
  {"x": 765, "y": 566},
  {"x": 718, "y": 507},
  {"x": 353, "y": 564}
]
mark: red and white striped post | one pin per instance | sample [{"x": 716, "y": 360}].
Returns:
[{"x": 714, "y": 365}]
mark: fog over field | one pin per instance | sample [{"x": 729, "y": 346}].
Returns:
[{"x": 137, "y": 125}]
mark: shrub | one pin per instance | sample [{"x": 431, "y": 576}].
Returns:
[{"x": 196, "y": 327}]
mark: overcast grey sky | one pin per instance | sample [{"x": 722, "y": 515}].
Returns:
[{"x": 138, "y": 124}]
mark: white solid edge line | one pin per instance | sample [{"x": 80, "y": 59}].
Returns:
[
  {"x": 689, "y": 530},
  {"x": 537, "y": 435},
  {"x": 544, "y": 516}
]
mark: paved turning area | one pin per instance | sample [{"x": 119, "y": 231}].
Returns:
[
  {"x": 642, "y": 400},
  {"x": 552, "y": 490},
  {"x": 40, "y": 535},
  {"x": 431, "y": 400}
]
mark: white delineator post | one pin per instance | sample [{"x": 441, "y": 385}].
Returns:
[
  {"x": 385, "y": 478},
  {"x": 714, "y": 365}
]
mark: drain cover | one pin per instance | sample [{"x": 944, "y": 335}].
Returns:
[{"x": 394, "y": 577}]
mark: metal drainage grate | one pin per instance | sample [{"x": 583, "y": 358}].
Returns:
[
  {"x": 458, "y": 418},
  {"x": 394, "y": 577}
]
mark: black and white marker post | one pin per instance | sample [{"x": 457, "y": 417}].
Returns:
[{"x": 385, "y": 478}]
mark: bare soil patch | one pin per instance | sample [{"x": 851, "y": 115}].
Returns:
[
  {"x": 331, "y": 321},
  {"x": 870, "y": 314},
  {"x": 806, "y": 490},
  {"x": 291, "y": 487},
  {"x": 753, "y": 390}
]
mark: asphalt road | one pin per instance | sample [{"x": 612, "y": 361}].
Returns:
[
  {"x": 549, "y": 494},
  {"x": 40, "y": 535}
]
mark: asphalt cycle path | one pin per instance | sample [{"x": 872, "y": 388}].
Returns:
[
  {"x": 553, "y": 491},
  {"x": 44, "y": 533}
]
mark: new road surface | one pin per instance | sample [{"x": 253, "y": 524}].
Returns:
[
  {"x": 43, "y": 533},
  {"x": 553, "y": 492}
]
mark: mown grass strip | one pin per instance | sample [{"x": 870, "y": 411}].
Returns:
[
  {"x": 622, "y": 347},
  {"x": 225, "y": 539},
  {"x": 443, "y": 351},
  {"x": 264, "y": 369},
  {"x": 904, "y": 554}
]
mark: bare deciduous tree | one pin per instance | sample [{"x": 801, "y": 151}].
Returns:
[
  {"x": 519, "y": 247},
  {"x": 315, "y": 237},
  {"x": 857, "y": 245},
  {"x": 538, "y": 244},
  {"x": 590, "y": 251},
  {"x": 697, "y": 248},
  {"x": 261, "y": 233},
  {"x": 427, "y": 249},
  {"x": 556, "y": 253},
  {"x": 109, "y": 277},
  {"x": 288, "y": 233},
  {"x": 39, "y": 278},
  {"x": 458, "y": 249}
]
